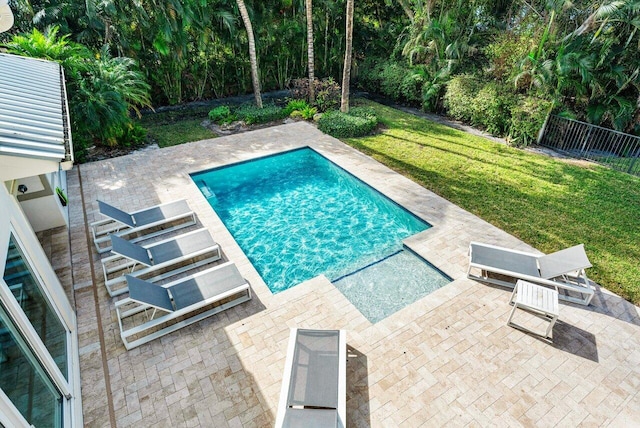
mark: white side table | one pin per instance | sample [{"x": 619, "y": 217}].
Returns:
[{"x": 537, "y": 300}]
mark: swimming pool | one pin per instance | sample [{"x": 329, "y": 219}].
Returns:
[{"x": 297, "y": 215}]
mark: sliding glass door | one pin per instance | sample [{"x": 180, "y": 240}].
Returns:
[
  {"x": 24, "y": 380},
  {"x": 34, "y": 343}
]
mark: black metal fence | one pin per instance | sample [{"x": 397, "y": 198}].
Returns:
[{"x": 614, "y": 149}]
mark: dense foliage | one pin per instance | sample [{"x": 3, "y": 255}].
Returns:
[
  {"x": 102, "y": 89},
  {"x": 500, "y": 65},
  {"x": 578, "y": 58},
  {"x": 360, "y": 121},
  {"x": 192, "y": 50}
]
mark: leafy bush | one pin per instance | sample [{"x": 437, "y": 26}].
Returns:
[
  {"x": 505, "y": 52},
  {"x": 492, "y": 108},
  {"x": 251, "y": 114},
  {"x": 459, "y": 97},
  {"x": 527, "y": 118},
  {"x": 411, "y": 87},
  {"x": 221, "y": 115},
  {"x": 360, "y": 121},
  {"x": 133, "y": 135},
  {"x": 306, "y": 113},
  {"x": 102, "y": 89},
  {"x": 327, "y": 92},
  {"x": 369, "y": 74},
  {"x": 391, "y": 80},
  {"x": 295, "y": 105}
]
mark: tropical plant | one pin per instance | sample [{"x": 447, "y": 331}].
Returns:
[
  {"x": 295, "y": 105},
  {"x": 221, "y": 115},
  {"x": 102, "y": 89}
]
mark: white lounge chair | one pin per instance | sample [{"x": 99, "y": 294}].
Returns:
[
  {"x": 563, "y": 270},
  {"x": 182, "y": 299},
  {"x": 313, "y": 393},
  {"x": 122, "y": 223},
  {"x": 154, "y": 257}
]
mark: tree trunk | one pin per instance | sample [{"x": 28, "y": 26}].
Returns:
[
  {"x": 312, "y": 89},
  {"x": 255, "y": 78},
  {"x": 346, "y": 71}
]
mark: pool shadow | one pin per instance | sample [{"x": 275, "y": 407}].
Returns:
[{"x": 358, "y": 411}]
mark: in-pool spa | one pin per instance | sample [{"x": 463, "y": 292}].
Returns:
[{"x": 297, "y": 215}]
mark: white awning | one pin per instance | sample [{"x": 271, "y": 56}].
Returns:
[{"x": 34, "y": 119}]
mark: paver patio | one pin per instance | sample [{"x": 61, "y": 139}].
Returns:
[{"x": 447, "y": 359}]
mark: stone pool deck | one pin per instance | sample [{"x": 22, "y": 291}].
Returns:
[{"x": 447, "y": 359}]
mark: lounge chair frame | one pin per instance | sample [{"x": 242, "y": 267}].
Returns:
[
  {"x": 117, "y": 285},
  {"x": 575, "y": 282},
  {"x": 129, "y": 307},
  {"x": 101, "y": 229},
  {"x": 287, "y": 378}
]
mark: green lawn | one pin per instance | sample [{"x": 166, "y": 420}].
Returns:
[
  {"x": 549, "y": 203},
  {"x": 177, "y": 126}
]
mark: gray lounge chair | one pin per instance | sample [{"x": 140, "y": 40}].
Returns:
[
  {"x": 563, "y": 270},
  {"x": 154, "y": 257},
  {"x": 182, "y": 299},
  {"x": 122, "y": 223},
  {"x": 313, "y": 391}
]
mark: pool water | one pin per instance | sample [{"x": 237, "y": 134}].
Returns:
[
  {"x": 297, "y": 215},
  {"x": 390, "y": 284}
]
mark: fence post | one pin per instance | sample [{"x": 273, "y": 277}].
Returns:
[
  {"x": 633, "y": 162},
  {"x": 543, "y": 129}
]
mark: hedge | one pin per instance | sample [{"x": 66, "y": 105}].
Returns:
[{"x": 360, "y": 121}]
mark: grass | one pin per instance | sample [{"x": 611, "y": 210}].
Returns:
[
  {"x": 548, "y": 203},
  {"x": 174, "y": 127}
]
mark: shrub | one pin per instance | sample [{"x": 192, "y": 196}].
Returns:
[
  {"x": 133, "y": 135},
  {"x": 295, "y": 105},
  {"x": 459, "y": 97},
  {"x": 412, "y": 84},
  {"x": 492, "y": 108},
  {"x": 505, "y": 52},
  {"x": 359, "y": 122},
  {"x": 369, "y": 74},
  {"x": 300, "y": 89},
  {"x": 391, "y": 80},
  {"x": 527, "y": 118},
  {"x": 308, "y": 112},
  {"x": 221, "y": 115},
  {"x": 432, "y": 93},
  {"x": 251, "y": 114},
  {"x": 328, "y": 94}
]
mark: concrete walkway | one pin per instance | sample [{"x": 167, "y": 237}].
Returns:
[{"x": 447, "y": 359}]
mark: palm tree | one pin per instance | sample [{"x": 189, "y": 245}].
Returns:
[
  {"x": 312, "y": 94},
  {"x": 346, "y": 71},
  {"x": 255, "y": 79}
]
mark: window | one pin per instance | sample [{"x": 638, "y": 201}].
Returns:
[
  {"x": 25, "y": 286},
  {"x": 24, "y": 381}
]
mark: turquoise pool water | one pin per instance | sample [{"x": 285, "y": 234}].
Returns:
[
  {"x": 390, "y": 284},
  {"x": 297, "y": 215}
]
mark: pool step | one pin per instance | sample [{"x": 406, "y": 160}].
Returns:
[{"x": 206, "y": 191}]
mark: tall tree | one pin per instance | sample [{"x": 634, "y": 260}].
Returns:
[
  {"x": 346, "y": 71},
  {"x": 312, "y": 92},
  {"x": 255, "y": 77}
]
